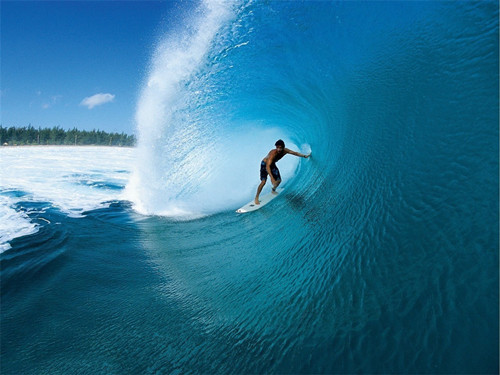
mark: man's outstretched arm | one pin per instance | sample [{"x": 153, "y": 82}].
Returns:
[{"x": 297, "y": 153}]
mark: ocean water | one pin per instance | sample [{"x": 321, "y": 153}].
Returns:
[{"x": 380, "y": 255}]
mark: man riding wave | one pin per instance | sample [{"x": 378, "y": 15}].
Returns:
[{"x": 268, "y": 167}]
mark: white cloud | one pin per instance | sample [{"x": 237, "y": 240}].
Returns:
[
  {"x": 55, "y": 99},
  {"x": 97, "y": 99}
]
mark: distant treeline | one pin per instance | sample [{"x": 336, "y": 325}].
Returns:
[{"x": 30, "y": 135}]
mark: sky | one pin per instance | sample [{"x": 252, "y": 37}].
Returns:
[{"x": 78, "y": 63}]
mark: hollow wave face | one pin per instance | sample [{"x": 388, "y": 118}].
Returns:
[
  {"x": 193, "y": 158},
  {"x": 371, "y": 89}
]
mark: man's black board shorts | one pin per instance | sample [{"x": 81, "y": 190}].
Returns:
[{"x": 274, "y": 170}]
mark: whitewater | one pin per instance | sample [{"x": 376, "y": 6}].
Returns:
[{"x": 380, "y": 255}]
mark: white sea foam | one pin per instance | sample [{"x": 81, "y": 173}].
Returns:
[
  {"x": 13, "y": 224},
  {"x": 73, "y": 179}
]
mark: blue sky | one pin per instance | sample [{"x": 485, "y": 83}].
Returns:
[{"x": 78, "y": 63}]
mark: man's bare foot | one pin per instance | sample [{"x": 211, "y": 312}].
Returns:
[
  {"x": 257, "y": 201},
  {"x": 274, "y": 191}
]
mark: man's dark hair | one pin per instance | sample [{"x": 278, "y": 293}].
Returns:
[{"x": 280, "y": 142}]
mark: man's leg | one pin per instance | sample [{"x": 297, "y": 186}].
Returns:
[
  {"x": 259, "y": 189},
  {"x": 278, "y": 182},
  {"x": 277, "y": 177}
]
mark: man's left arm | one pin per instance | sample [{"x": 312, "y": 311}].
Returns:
[{"x": 296, "y": 153}]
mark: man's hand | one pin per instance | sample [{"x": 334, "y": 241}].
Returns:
[{"x": 306, "y": 156}]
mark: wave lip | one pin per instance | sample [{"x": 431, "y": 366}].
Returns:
[{"x": 175, "y": 147}]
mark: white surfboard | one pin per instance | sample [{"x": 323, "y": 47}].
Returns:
[{"x": 264, "y": 199}]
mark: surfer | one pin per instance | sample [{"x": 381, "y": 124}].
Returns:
[{"x": 268, "y": 167}]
